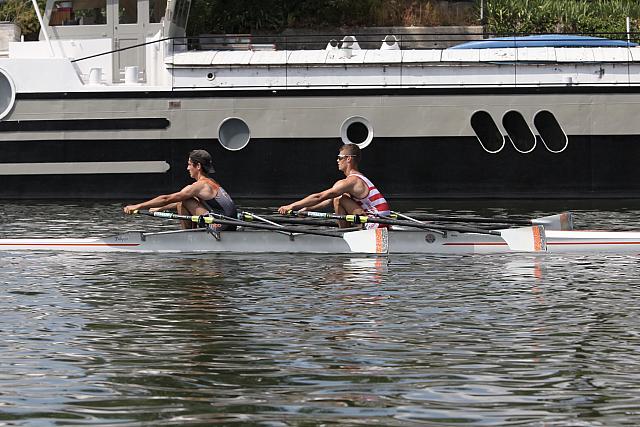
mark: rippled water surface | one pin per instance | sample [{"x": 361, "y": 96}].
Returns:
[{"x": 277, "y": 340}]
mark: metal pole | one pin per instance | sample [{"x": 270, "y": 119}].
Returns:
[
  {"x": 628, "y": 30},
  {"x": 44, "y": 29}
]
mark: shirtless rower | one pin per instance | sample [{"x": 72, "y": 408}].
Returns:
[
  {"x": 354, "y": 194},
  {"x": 203, "y": 196}
]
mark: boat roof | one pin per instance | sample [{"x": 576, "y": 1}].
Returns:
[{"x": 543, "y": 40}]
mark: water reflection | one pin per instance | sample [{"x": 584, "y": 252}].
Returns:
[
  {"x": 138, "y": 339},
  {"x": 363, "y": 269},
  {"x": 523, "y": 269}
]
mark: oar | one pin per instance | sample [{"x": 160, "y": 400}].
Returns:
[
  {"x": 408, "y": 218},
  {"x": 248, "y": 216},
  {"x": 561, "y": 221},
  {"x": 527, "y": 239},
  {"x": 357, "y": 240},
  {"x": 259, "y": 218}
]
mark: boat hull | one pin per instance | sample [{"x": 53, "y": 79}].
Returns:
[
  {"x": 591, "y": 167},
  {"x": 422, "y": 146},
  {"x": 399, "y": 242}
]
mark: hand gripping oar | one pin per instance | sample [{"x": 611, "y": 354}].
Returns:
[
  {"x": 561, "y": 221},
  {"x": 358, "y": 241},
  {"x": 525, "y": 239}
]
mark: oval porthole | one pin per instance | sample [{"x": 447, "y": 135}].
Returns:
[
  {"x": 487, "y": 132},
  {"x": 234, "y": 134},
  {"x": 551, "y": 133},
  {"x": 7, "y": 94},
  {"x": 522, "y": 138},
  {"x": 356, "y": 130}
]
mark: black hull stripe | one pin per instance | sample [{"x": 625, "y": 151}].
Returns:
[
  {"x": 83, "y": 125},
  {"x": 345, "y": 92}
]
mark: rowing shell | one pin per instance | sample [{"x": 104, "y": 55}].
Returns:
[{"x": 381, "y": 241}]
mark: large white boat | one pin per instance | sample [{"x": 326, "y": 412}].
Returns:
[{"x": 111, "y": 99}]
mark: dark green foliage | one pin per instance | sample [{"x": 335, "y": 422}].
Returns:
[
  {"x": 22, "y": 13},
  {"x": 244, "y": 16},
  {"x": 561, "y": 16},
  {"x": 273, "y": 16}
]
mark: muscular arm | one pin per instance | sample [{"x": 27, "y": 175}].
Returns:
[
  {"x": 320, "y": 205},
  {"x": 322, "y": 198},
  {"x": 170, "y": 206},
  {"x": 166, "y": 199}
]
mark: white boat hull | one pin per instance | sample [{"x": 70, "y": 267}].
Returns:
[{"x": 406, "y": 242}]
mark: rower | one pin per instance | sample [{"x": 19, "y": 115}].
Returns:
[
  {"x": 203, "y": 196},
  {"x": 354, "y": 194}
]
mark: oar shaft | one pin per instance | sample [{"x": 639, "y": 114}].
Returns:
[
  {"x": 300, "y": 221},
  {"x": 222, "y": 221},
  {"x": 363, "y": 219},
  {"x": 472, "y": 219}
]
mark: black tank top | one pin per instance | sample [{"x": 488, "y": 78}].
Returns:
[{"x": 222, "y": 202}]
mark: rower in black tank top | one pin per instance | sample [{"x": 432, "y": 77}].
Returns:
[{"x": 221, "y": 204}]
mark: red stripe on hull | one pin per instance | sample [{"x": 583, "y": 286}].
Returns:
[
  {"x": 548, "y": 243},
  {"x": 71, "y": 244},
  {"x": 594, "y": 243}
]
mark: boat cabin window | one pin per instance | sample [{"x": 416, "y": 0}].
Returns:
[
  {"x": 78, "y": 12},
  {"x": 127, "y": 11},
  {"x": 157, "y": 9}
]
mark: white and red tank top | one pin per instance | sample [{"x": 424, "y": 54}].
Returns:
[{"x": 374, "y": 202}]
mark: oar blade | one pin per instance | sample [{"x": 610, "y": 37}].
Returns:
[
  {"x": 562, "y": 221},
  {"x": 525, "y": 239},
  {"x": 375, "y": 241}
]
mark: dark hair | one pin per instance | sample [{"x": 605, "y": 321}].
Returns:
[{"x": 204, "y": 159}]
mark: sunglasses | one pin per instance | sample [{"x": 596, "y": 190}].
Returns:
[{"x": 344, "y": 156}]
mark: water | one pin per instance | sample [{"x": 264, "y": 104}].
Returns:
[{"x": 126, "y": 339}]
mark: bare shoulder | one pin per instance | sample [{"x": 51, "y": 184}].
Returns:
[
  {"x": 346, "y": 185},
  {"x": 191, "y": 189},
  {"x": 349, "y": 180},
  {"x": 359, "y": 187}
]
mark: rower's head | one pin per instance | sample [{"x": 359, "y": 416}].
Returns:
[
  {"x": 200, "y": 161},
  {"x": 349, "y": 157}
]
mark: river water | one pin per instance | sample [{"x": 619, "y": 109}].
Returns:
[{"x": 277, "y": 340}]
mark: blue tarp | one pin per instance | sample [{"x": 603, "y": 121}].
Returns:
[{"x": 544, "y": 40}]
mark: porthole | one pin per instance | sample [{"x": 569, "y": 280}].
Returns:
[
  {"x": 356, "y": 130},
  {"x": 234, "y": 134},
  {"x": 487, "y": 132},
  {"x": 551, "y": 133},
  {"x": 7, "y": 94},
  {"x": 522, "y": 138}
]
